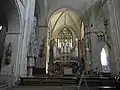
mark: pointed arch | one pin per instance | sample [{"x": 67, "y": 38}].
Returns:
[
  {"x": 104, "y": 56},
  {"x": 62, "y": 17}
]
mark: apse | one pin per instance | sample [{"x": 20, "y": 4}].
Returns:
[{"x": 62, "y": 50}]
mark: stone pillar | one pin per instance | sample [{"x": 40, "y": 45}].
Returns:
[
  {"x": 79, "y": 49},
  {"x": 114, "y": 36},
  {"x": 117, "y": 19},
  {"x": 87, "y": 47},
  {"x": 28, "y": 27}
]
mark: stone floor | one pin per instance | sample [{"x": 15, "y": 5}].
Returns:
[
  {"x": 43, "y": 88},
  {"x": 53, "y": 88}
]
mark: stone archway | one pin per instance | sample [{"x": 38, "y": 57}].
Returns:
[{"x": 12, "y": 34}]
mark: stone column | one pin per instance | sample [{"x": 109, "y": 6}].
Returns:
[
  {"x": 114, "y": 36},
  {"x": 117, "y": 19},
  {"x": 88, "y": 61},
  {"x": 28, "y": 27},
  {"x": 79, "y": 49}
]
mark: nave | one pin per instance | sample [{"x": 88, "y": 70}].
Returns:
[{"x": 59, "y": 44}]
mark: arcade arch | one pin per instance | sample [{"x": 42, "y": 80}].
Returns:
[{"x": 10, "y": 31}]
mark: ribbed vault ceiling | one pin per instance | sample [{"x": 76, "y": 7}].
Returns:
[{"x": 64, "y": 17}]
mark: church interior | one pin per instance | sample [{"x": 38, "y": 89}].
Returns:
[{"x": 59, "y": 44}]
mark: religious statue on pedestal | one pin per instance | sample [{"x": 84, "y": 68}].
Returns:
[
  {"x": 8, "y": 54},
  {"x": 32, "y": 51}
]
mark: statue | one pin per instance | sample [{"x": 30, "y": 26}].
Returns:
[
  {"x": 8, "y": 54},
  {"x": 32, "y": 50},
  {"x": 41, "y": 50}
]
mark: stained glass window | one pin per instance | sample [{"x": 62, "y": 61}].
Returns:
[{"x": 65, "y": 38}]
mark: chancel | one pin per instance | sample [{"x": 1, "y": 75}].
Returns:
[
  {"x": 59, "y": 44},
  {"x": 63, "y": 34}
]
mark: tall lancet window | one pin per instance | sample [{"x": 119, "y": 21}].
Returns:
[{"x": 105, "y": 59}]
